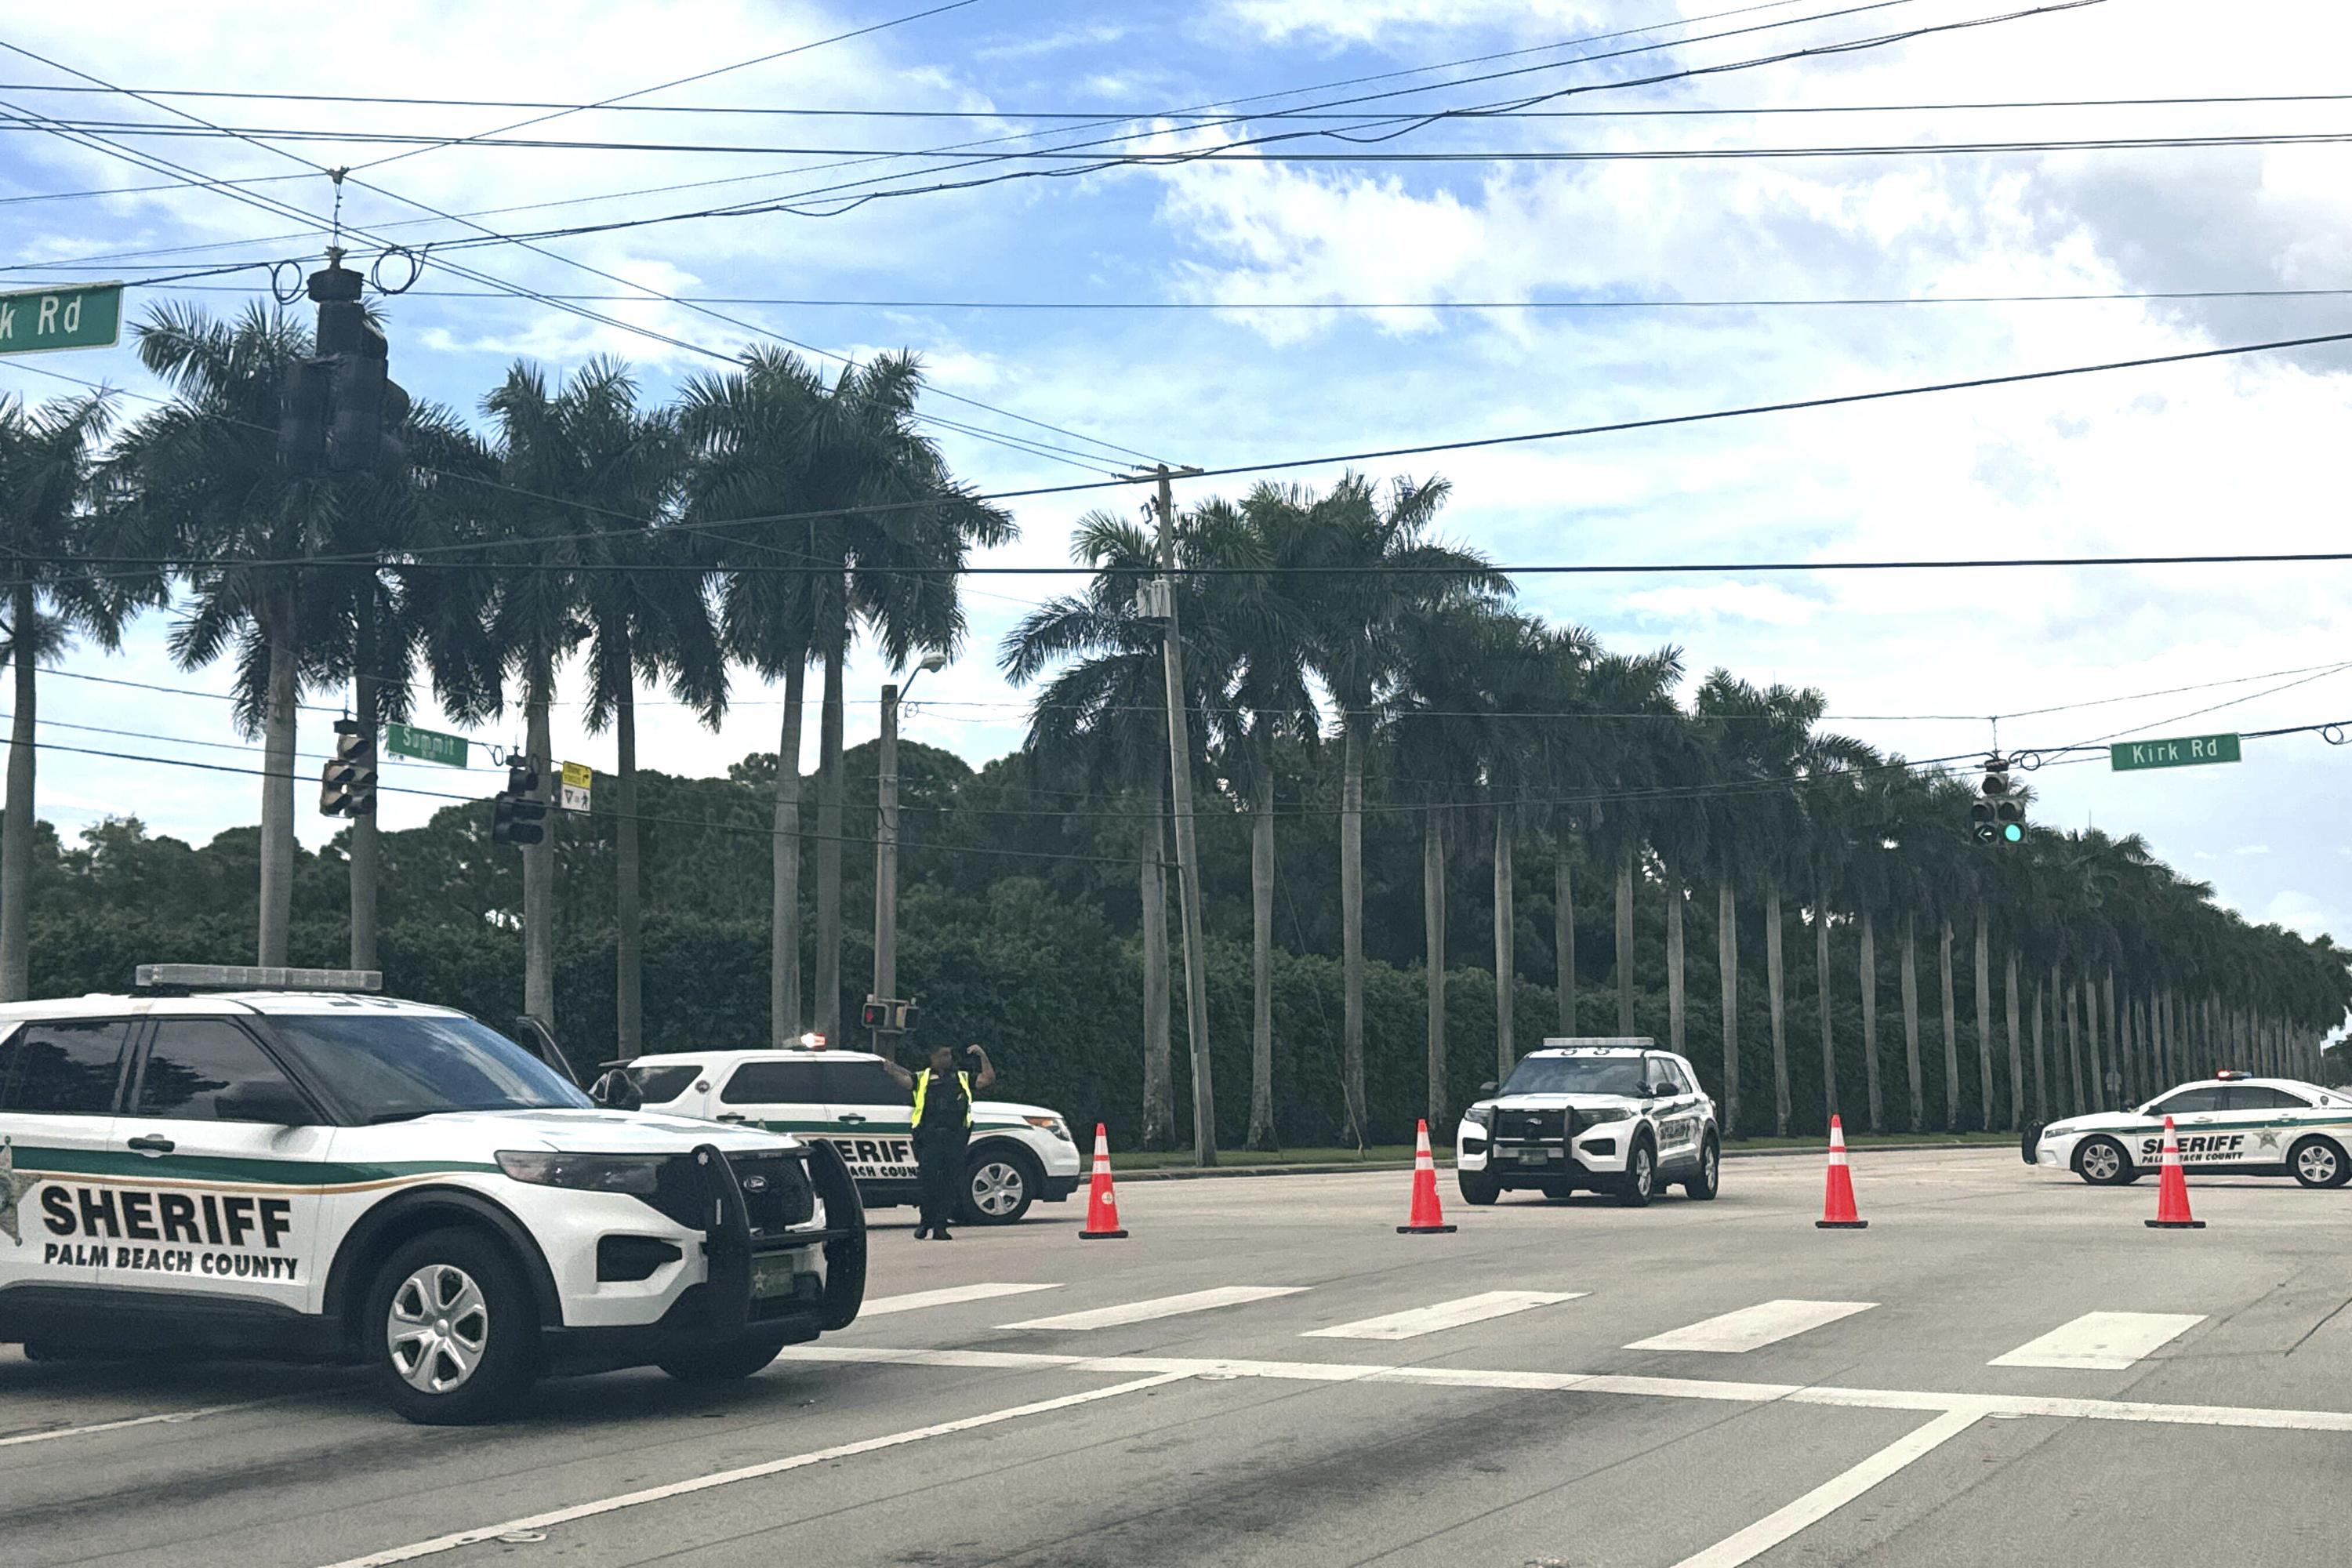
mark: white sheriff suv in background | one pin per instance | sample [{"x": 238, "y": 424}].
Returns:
[
  {"x": 1613, "y": 1115},
  {"x": 2247, "y": 1126},
  {"x": 1019, "y": 1154},
  {"x": 293, "y": 1169}
]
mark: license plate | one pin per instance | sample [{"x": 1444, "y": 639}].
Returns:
[
  {"x": 1533, "y": 1156},
  {"x": 771, "y": 1277}
]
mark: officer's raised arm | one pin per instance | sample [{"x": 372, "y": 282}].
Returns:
[
  {"x": 987, "y": 1069},
  {"x": 899, "y": 1075}
]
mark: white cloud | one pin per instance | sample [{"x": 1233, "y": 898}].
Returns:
[{"x": 1759, "y": 602}]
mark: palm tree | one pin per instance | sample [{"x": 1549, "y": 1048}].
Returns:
[
  {"x": 210, "y": 489},
  {"x": 49, "y": 495},
  {"x": 1381, "y": 567}
]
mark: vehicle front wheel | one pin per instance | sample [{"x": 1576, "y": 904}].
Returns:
[
  {"x": 999, "y": 1185},
  {"x": 2103, "y": 1163},
  {"x": 1477, "y": 1188},
  {"x": 1708, "y": 1176},
  {"x": 721, "y": 1364},
  {"x": 458, "y": 1336},
  {"x": 1640, "y": 1183},
  {"x": 2318, "y": 1162}
]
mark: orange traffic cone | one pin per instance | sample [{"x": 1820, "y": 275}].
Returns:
[
  {"x": 2172, "y": 1189},
  {"x": 1837, "y": 1201},
  {"x": 1426, "y": 1219},
  {"x": 1102, "y": 1204}
]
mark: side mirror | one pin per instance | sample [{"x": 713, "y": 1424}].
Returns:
[
  {"x": 1487, "y": 1089},
  {"x": 276, "y": 1104},
  {"x": 1657, "y": 1090},
  {"x": 616, "y": 1091}
]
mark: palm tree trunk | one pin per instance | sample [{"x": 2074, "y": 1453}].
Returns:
[
  {"x": 277, "y": 913},
  {"x": 1951, "y": 1036},
  {"x": 2012, "y": 1004},
  {"x": 1675, "y": 1036},
  {"x": 1822, "y": 1001},
  {"x": 1727, "y": 962},
  {"x": 1911, "y": 1022},
  {"x": 830, "y": 784},
  {"x": 16, "y": 836},
  {"x": 1563, "y": 934},
  {"x": 628, "y": 935},
  {"x": 366, "y": 849},
  {"x": 538, "y": 859},
  {"x": 785, "y": 1019},
  {"x": 1433, "y": 931},
  {"x": 1159, "y": 1091},
  {"x": 1626, "y": 944},
  {"x": 1984, "y": 1019},
  {"x": 1506, "y": 931},
  {"x": 1351, "y": 925},
  {"x": 2116, "y": 1053},
  {"x": 2041, "y": 1061},
  {"x": 1778, "y": 996},
  {"x": 2100, "y": 1098},
  {"x": 1870, "y": 1023},
  {"x": 1261, "y": 1122},
  {"x": 2063, "y": 998}
]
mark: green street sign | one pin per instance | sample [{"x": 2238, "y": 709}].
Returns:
[
  {"x": 38, "y": 320},
  {"x": 424, "y": 745},
  {"x": 2189, "y": 751}
]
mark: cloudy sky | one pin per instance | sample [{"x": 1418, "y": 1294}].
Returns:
[{"x": 1244, "y": 310}]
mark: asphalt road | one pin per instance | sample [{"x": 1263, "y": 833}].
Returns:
[{"x": 1844, "y": 1411}]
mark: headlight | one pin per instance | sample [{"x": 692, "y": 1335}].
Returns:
[
  {"x": 639, "y": 1175},
  {"x": 1053, "y": 1124},
  {"x": 1611, "y": 1113},
  {"x": 1479, "y": 1116}
]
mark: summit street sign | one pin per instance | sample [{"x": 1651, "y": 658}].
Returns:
[
  {"x": 2189, "y": 751},
  {"x": 85, "y": 316}
]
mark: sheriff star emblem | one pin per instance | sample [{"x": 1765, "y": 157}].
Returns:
[
  {"x": 13, "y": 1188},
  {"x": 2267, "y": 1139}
]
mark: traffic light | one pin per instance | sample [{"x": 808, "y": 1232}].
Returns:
[
  {"x": 339, "y": 412},
  {"x": 347, "y": 784},
  {"x": 302, "y": 418},
  {"x": 515, "y": 816},
  {"x": 1998, "y": 815},
  {"x": 889, "y": 1017}
]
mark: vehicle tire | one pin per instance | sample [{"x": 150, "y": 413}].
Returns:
[
  {"x": 721, "y": 1364},
  {"x": 2318, "y": 1162},
  {"x": 1708, "y": 1177},
  {"x": 1000, "y": 1183},
  {"x": 1478, "y": 1188},
  {"x": 451, "y": 1328},
  {"x": 1640, "y": 1181},
  {"x": 1559, "y": 1189},
  {"x": 2103, "y": 1163}
]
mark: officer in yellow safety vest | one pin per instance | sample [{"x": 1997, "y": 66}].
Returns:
[{"x": 942, "y": 1129}]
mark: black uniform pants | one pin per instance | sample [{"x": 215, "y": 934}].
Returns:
[{"x": 939, "y": 1162}]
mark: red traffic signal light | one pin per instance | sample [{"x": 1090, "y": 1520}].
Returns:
[{"x": 873, "y": 1015}]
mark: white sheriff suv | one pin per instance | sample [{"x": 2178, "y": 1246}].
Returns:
[
  {"x": 1613, "y": 1115},
  {"x": 1019, "y": 1154},
  {"x": 285, "y": 1166},
  {"x": 2247, "y": 1126}
]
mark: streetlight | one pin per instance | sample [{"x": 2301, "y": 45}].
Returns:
[{"x": 886, "y": 845}]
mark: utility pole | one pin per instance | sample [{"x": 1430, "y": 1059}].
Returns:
[
  {"x": 885, "y": 853},
  {"x": 1188, "y": 863}
]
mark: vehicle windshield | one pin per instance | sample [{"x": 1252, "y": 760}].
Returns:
[
  {"x": 1575, "y": 1075},
  {"x": 390, "y": 1066}
]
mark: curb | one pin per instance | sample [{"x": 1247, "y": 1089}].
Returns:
[{"x": 1194, "y": 1173}]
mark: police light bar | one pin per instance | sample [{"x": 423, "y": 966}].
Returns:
[
  {"x": 812, "y": 1041},
  {"x": 2226, "y": 1074},
  {"x": 255, "y": 977}
]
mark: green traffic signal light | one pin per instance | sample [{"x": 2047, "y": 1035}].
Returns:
[{"x": 2013, "y": 832}]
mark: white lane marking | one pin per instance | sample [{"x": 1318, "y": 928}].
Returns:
[
  {"x": 2101, "y": 1341},
  {"x": 1160, "y": 1307},
  {"x": 1831, "y": 1495},
  {"x": 1444, "y": 1315},
  {"x": 1751, "y": 1326},
  {"x": 169, "y": 1417},
  {"x": 554, "y": 1517},
  {"x": 915, "y": 1301},
  {"x": 2234, "y": 1415}
]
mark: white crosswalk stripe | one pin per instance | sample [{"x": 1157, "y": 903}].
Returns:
[
  {"x": 1751, "y": 1326},
  {"x": 1159, "y": 1307},
  {"x": 1444, "y": 1315},
  {"x": 2101, "y": 1341},
  {"x": 915, "y": 1301}
]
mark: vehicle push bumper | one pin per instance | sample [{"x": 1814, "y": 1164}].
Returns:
[
  {"x": 757, "y": 1283},
  {"x": 1548, "y": 1145}
]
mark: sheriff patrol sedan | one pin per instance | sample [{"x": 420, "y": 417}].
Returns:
[
  {"x": 1019, "y": 1154},
  {"x": 320, "y": 1174},
  {"x": 1617, "y": 1116},
  {"x": 2247, "y": 1126}
]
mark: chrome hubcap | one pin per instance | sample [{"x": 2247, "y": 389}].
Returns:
[
  {"x": 997, "y": 1188},
  {"x": 437, "y": 1329},
  {"x": 1641, "y": 1171},
  {"x": 2318, "y": 1163},
  {"x": 2101, "y": 1163}
]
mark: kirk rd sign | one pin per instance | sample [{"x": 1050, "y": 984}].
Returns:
[
  {"x": 41, "y": 321},
  {"x": 2188, "y": 752}
]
